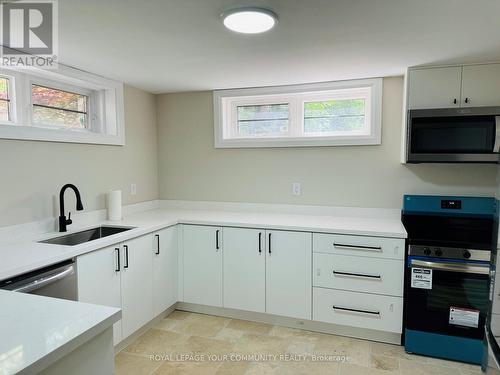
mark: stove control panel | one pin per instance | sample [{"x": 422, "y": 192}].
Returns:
[{"x": 449, "y": 252}]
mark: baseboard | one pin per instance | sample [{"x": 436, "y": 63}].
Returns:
[
  {"x": 334, "y": 329},
  {"x": 134, "y": 336}
]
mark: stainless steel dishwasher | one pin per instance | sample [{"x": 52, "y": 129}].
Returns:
[{"x": 57, "y": 280}]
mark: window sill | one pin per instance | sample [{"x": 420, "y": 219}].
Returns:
[{"x": 31, "y": 133}]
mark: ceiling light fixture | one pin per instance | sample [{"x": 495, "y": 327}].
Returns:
[{"x": 249, "y": 20}]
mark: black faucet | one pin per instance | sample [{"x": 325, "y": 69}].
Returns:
[{"x": 63, "y": 222}]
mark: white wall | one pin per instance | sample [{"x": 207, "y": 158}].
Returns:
[
  {"x": 33, "y": 172},
  {"x": 367, "y": 176}
]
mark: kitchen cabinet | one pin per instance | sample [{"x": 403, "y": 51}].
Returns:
[
  {"x": 288, "y": 273},
  {"x": 99, "y": 281},
  {"x": 202, "y": 264},
  {"x": 480, "y": 85},
  {"x": 244, "y": 269},
  {"x": 164, "y": 269},
  {"x": 454, "y": 86},
  {"x": 434, "y": 87},
  {"x": 137, "y": 283}
]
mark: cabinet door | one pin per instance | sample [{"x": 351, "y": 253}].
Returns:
[
  {"x": 434, "y": 87},
  {"x": 480, "y": 85},
  {"x": 164, "y": 269},
  {"x": 99, "y": 281},
  {"x": 137, "y": 283},
  {"x": 244, "y": 269},
  {"x": 288, "y": 274},
  {"x": 202, "y": 252}
]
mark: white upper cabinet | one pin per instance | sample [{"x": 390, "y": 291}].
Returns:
[
  {"x": 137, "y": 283},
  {"x": 288, "y": 274},
  {"x": 434, "y": 87},
  {"x": 202, "y": 258},
  {"x": 164, "y": 269},
  {"x": 99, "y": 281},
  {"x": 244, "y": 269},
  {"x": 481, "y": 85},
  {"x": 454, "y": 86}
]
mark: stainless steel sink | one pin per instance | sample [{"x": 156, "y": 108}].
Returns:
[{"x": 86, "y": 235}]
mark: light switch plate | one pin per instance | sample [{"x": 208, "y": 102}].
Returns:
[{"x": 133, "y": 189}]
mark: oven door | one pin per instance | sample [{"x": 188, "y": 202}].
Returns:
[
  {"x": 449, "y": 136},
  {"x": 447, "y": 297}
]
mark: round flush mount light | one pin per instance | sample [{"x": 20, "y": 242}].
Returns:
[{"x": 249, "y": 20}]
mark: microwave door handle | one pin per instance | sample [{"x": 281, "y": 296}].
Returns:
[{"x": 496, "y": 147}]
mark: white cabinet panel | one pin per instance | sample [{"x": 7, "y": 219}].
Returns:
[
  {"x": 370, "y": 275},
  {"x": 99, "y": 281},
  {"x": 164, "y": 269},
  {"x": 377, "y": 247},
  {"x": 434, "y": 87},
  {"x": 137, "y": 283},
  {"x": 288, "y": 274},
  {"x": 202, "y": 259},
  {"x": 244, "y": 269},
  {"x": 480, "y": 85},
  {"x": 361, "y": 310}
]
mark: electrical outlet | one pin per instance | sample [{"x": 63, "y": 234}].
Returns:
[
  {"x": 133, "y": 189},
  {"x": 296, "y": 188}
]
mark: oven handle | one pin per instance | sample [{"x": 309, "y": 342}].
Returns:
[
  {"x": 496, "y": 147},
  {"x": 44, "y": 280},
  {"x": 465, "y": 268}
]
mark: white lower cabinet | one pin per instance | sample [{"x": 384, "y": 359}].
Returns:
[
  {"x": 202, "y": 264},
  {"x": 288, "y": 274},
  {"x": 137, "y": 284},
  {"x": 361, "y": 310},
  {"x": 165, "y": 266},
  {"x": 99, "y": 281},
  {"x": 244, "y": 269}
]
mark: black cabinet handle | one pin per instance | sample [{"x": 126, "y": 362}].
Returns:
[
  {"x": 126, "y": 256},
  {"x": 260, "y": 242},
  {"x": 117, "y": 251},
  {"x": 348, "y": 309},
  {"x": 269, "y": 248},
  {"x": 157, "y": 244},
  {"x": 217, "y": 239},
  {"x": 467, "y": 100}
]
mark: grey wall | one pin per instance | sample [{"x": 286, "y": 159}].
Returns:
[
  {"x": 368, "y": 176},
  {"x": 33, "y": 172}
]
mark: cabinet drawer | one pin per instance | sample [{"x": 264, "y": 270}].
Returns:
[
  {"x": 370, "y": 275},
  {"x": 377, "y": 247},
  {"x": 360, "y": 310}
]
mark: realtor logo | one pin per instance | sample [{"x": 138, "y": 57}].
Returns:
[{"x": 29, "y": 33}]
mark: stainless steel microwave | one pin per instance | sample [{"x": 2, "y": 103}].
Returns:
[{"x": 453, "y": 135}]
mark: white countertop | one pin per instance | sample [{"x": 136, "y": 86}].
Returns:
[
  {"x": 36, "y": 332},
  {"x": 26, "y": 255}
]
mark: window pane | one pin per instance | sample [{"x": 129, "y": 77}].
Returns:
[
  {"x": 334, "y": 116},
  {"x": 47, "y": 96},
  {"x": 59, "y": 117},
  {"x": 4, "y": 88},
  {"x": 4, "y": 110},
  {"x": 263, "y": 120}
]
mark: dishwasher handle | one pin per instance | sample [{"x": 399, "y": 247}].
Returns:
[{"x": 43, "y": 280}]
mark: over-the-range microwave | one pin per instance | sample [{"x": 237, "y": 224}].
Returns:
[{"x": 453, "y": 135}]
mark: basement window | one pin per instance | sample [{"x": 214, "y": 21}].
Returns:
[
  {"x": 327, "y": 114},
  {"x": 63, "y": 105}
]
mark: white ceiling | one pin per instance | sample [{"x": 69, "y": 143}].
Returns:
[{"x": 181, "y": 45}]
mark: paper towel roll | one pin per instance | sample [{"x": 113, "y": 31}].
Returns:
[{"x": 114, "y": 199}]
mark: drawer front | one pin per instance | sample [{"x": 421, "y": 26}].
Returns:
[
  {"x": 377, "y": 247},
  {"x": 370, "y": 275},
  {"x": 360, "y": 310}
]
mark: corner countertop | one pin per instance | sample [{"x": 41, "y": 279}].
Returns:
[
  {"x": 26, "y": 255},
  {"x": 38, "y": 331}
]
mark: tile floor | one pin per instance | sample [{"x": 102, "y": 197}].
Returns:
[{"x": 197, "y": 336}]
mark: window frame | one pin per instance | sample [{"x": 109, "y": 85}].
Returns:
[
  {"x": 105, "y": 112},
  {"x": 12, "y": 100},
  {"x": 226, "y": 102}
]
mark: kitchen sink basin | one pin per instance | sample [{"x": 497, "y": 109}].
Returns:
[{"x": 86, "y": 235}]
